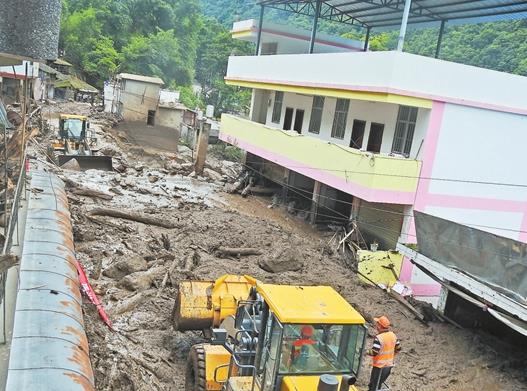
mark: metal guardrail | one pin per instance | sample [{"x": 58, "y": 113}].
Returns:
[
  {"x": 11, "y": 224},
  {"x": 21, "y": 190},
  {"x": 49, "y": 348}
]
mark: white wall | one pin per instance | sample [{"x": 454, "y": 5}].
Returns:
[
  {"x": 481, "y": 145},
  {"x": 384, "y": 113},
  {"x": 169, "y": 117},
  {"x": 292, "y": 40},
  {"x": 400, "y": 72}
]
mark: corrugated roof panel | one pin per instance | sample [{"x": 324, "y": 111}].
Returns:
[{"x": 379, "y": 13}]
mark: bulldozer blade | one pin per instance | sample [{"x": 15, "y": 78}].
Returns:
[{"x": 87, "y": 162}]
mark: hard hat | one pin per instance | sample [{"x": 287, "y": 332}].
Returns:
[
  {"x": 383, "y": 321},
  {"x": 307, "y": 331}
]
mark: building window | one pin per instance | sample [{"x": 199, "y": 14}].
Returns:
[
  {"x": 316, "y": 114},
  {"x": 341, "y": 116},
  {"x": 404, "y": 130},
  {"x": 269, "y": 48},
  {"x": 277, "y": 107},
  {"x": 357, "y": 133},
  {"x": 375, "y": 138}
]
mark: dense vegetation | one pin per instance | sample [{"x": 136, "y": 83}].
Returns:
[
  {"x": 500, "y": 46},
  {"x": 187, "y": 41},
  {"x": 171, "y": 39}
]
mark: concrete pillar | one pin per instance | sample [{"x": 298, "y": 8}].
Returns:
[
  {"x": 286, "y": 183},
  {"x": 355, "y": 206},
  {"x": 201, "y": 150},
  {"x": 408, "y": 223},
  {"x": 315, "y": 201}
]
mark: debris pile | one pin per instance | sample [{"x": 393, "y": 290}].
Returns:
[{"x": 140, "y": 230}]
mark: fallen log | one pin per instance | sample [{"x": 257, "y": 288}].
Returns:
[
  {"x": 84, "y": 191},
  {"x": 132, "y": 216},
  {"x": 261, "y": 190},
  {"x": 234, "y": 251}
]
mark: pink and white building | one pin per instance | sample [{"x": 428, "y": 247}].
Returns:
[{"x": 373, "y": 136}]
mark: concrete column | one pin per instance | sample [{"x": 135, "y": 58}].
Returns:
[
  {"x": 315, "y": 202},
  {"x": 405, "y": 237},
  {"x": 201, "y": 150},
  {"x": 286, "y": 183},
  {"x": 355, "y": 206}
]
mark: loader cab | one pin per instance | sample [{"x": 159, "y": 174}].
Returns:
[
  {"x": 305, "y": 332},
  {"x": 73, "y": 127}
]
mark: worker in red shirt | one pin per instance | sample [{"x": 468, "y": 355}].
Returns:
[
  {"x": 385, "y": 345},
  {"x": 299, "y": 351}
]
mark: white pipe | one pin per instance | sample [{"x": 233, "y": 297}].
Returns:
[{"x": 404, "y": 23}]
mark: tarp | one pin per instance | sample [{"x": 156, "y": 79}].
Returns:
[
  {"x": 491, "y": 259},
  {"x": 3, "y": 116}
]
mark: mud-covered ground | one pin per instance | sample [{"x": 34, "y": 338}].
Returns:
[{"x": 128, "y": 262}]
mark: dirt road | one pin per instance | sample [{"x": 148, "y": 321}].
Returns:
[{"x": 146, "y": 354}]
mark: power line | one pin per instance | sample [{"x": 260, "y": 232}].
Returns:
[
  {"x": 522, "y": 185},
  {"x": 362, "y": 206},
  {"x": 396, "y": 234},
  {"x": 299, "y": 190}
]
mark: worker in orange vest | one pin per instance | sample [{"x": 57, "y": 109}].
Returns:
[
  {"x": 299, "y": 352},
  {"x": 385, "y": 345}
]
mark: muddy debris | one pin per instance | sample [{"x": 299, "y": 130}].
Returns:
[{"x": 135, "y": 265}]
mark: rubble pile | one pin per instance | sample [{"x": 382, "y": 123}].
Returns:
[{"x": 153, "y": 222}]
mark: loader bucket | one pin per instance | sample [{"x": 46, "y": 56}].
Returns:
[
  {"x": 87, "y": 162},
  {"x": 201, "y": 305}
]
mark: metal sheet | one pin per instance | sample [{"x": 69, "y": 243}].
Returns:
[
  {"x": 49, "y": 349},
  {"x": 494, "y": 260}
]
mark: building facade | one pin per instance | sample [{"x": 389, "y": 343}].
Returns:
[
  {"x": 137, "y": 97},
  {"x": 373, "y": 136}
]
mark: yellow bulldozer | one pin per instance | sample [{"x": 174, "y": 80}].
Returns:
[
  {"x": 267, "y": 337},
  {"x": 75, "y": 140}
]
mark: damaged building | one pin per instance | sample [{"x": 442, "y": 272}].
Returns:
[{"x": 359, "y": 135}]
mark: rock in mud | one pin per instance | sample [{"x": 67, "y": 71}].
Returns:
[
  {"x": 286, "y": 260},
  {"x": 138, "y": 281},
  {"x": 215, "y": 176},
  {"x": 71, "y": 165},
  {"x": 124, "y": 267}
]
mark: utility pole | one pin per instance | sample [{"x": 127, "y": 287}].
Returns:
[{"x": 203, "y": 144}]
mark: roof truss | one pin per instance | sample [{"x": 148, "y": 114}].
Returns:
[{"x": 388, "y": 13}]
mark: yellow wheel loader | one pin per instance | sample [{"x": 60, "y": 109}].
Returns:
[
  {"x": 267, "y": 337},
  {"x": 77, "y": 141}
]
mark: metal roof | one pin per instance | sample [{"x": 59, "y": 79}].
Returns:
[
  {"x": 145, "y": 79},
  {"x": 389, "y": 13}
]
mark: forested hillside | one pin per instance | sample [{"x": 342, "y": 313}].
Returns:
[
  {"x": 501, "y": 46},
  {"x": 171, "y": 39},
  {"x": 183, "y": 41}
]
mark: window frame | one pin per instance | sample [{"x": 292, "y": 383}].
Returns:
[
  {"x": 340, "y": 119},
  {"x": 276, "y": 116},
  {"x": 404, "y": 130},
  {"x": 345, "y": 343},
  {"x": 315, "y": 121}
]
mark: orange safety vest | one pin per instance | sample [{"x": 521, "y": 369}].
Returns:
[
  {"x": 386, "y": 355},
  {"x": 299, "y": 344}
]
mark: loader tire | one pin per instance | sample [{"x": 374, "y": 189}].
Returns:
[{"x": 195, "y": 375}]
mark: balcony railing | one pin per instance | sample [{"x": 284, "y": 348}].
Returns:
[{"x": 375, "y": 178}]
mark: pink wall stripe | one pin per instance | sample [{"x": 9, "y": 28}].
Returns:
[
  {"x": 432, "y": 290},
  {"x": 371, "y": 195},
  {"x": 406, "y": 271}
]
